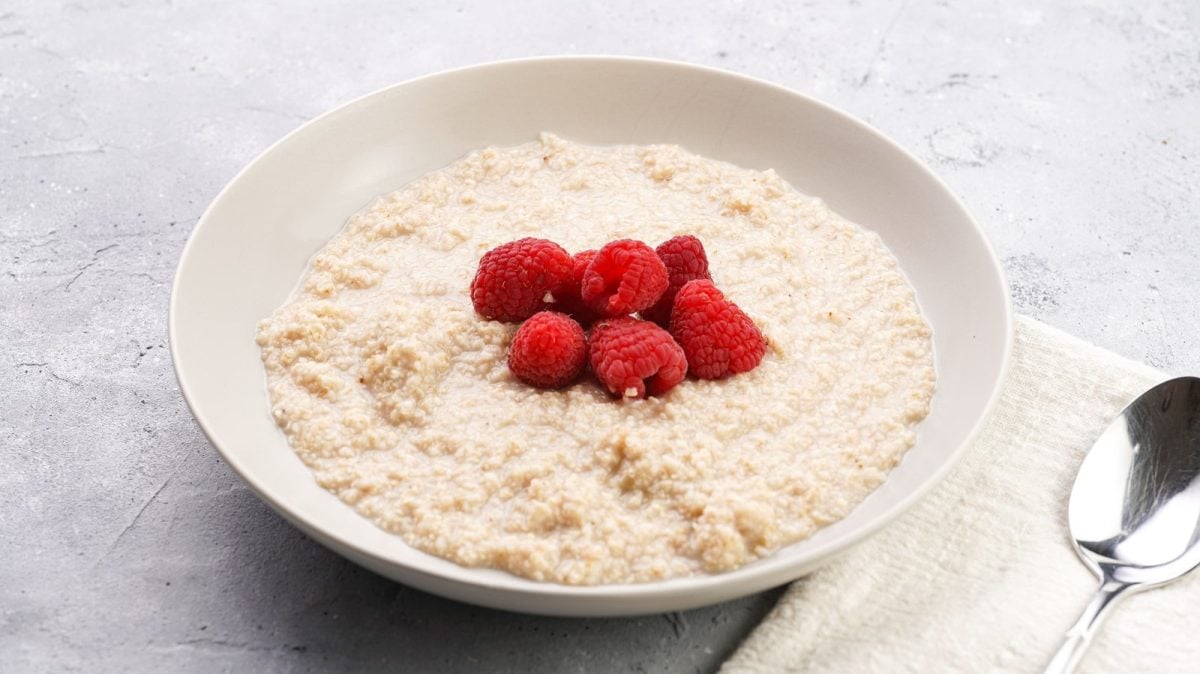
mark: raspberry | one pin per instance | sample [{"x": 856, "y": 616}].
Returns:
[
  {"x": 718, "y": 338},
  {"x": 566, "y": 296},
  {"x": 624, "y": 277},
  {"x": 632, "y": 358},
  {"x": 514, "y": 280},
  {"x": 685, "y": 261},
  {"x": 548, "y": 350}
]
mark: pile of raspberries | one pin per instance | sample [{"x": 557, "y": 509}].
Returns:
[{"x": 685, "y": 325}]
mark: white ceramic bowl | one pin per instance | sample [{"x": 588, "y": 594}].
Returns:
[{"x": 249, "y": 249}]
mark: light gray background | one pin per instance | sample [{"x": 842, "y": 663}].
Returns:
[{"x": 1072, "y": 132}]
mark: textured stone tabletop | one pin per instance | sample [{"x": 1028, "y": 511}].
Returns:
[{"x": 1072, "y": 132}]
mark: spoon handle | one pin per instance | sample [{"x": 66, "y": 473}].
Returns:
[{"x": 1081, "y": 633}]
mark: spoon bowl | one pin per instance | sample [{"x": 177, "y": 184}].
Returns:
[{"x": 1134, "y": 512}]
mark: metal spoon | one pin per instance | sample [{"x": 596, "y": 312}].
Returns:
[{"x": 1135, "y": 506}]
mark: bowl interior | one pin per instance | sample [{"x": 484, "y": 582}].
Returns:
[{"x": 249, "y": 249}]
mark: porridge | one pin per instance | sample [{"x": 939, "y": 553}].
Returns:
[{"x": 396, "y": 394}]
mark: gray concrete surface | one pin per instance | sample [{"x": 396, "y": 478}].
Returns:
[{"x": 1072, "y": 131}]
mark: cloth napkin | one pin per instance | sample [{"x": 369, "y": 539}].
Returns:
[{"x": 980, "y": 576}]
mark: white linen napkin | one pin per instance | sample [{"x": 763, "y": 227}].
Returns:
[{"x": 980, "y": 576}]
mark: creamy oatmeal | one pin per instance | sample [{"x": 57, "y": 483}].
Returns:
[{"x": 396, "y": 394}]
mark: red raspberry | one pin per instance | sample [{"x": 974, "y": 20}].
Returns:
[
  {"x": 548, "y": 350},
  {"x": 685, "y": 261},
  {"x": 632, "y": 358},
  {"x": 566, "y": 296},
  {"x": 624, "y": 277},
  {"x": 718, "y": 338},
  {"x": 514, "y": 280}
]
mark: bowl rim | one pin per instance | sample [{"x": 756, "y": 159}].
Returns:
[{"x": 773, "y": 567}]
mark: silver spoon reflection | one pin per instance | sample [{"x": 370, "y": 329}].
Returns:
[{"x": 1135, "y": 506}]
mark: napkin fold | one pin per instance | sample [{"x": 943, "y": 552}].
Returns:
[{"x": 980, "y": 576}]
